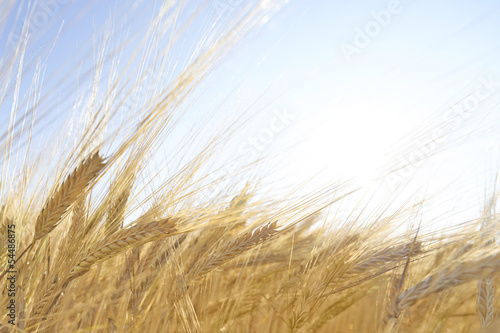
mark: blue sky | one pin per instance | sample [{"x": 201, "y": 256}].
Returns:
[{"x": 348, "y": 111}]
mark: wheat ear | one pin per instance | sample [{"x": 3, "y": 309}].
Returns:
[
  {"x": 450, "y": 277},
  {"x": 68, "y": 192},
  {"x": 108, "y": 248},
  {"x": 381, "y": 258},
  {"x": 75, "y": 184},
  {"x": 486, "y": 301},
  {"x": 390, "y": 321},
  {"x": 46, "y": 299},
  {"x": 352, "y": 296},
  {"x": 122, "y": 240},
  {"x": 232, "y": 250}
]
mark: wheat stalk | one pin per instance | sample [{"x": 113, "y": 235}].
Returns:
[{"x": 152, "y": 264}]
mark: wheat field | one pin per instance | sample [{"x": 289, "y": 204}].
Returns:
[{"x": 100, "y": 234}]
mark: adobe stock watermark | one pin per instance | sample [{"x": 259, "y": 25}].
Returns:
[
  {"x": 453, "y": 117},
  {"x": 43, "y": 12},
  {"x": 364, "y": 36},
  {"x": 146, "y": 90},
  {"x": 223, "y": 5},
  {"x": 253, "y": 145}
]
